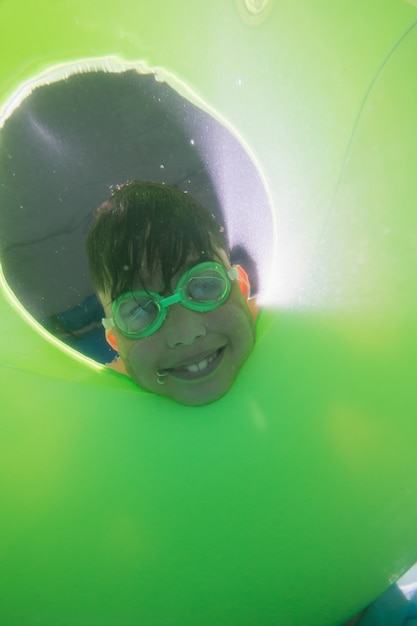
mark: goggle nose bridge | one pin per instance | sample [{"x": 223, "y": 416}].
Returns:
[{"x": 166, "y": 302}]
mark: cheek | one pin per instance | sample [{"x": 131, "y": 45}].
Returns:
[
  {"x": 139, "y": 357},
  {"x": 235, "y": 321}
]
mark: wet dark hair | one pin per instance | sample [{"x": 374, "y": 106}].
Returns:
[{"x": 144, "y": 227}]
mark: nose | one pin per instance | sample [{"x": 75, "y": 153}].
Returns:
[{"x": 183, "y": 327}]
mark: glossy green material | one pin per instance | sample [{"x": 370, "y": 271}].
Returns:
[{"x": 292, "y": 500}]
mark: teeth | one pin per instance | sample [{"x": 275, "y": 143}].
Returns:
[{"x": 198, "y": 367}]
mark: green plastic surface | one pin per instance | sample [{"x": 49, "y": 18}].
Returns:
[{"x": 292, "y": 500}]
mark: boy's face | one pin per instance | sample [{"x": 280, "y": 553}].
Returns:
[{"x": 198, "y": 353}]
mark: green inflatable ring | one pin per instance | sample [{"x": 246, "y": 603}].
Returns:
[{"x": 291, "y": 500}]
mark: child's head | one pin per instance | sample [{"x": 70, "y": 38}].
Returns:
[{"x": 152, "y": 241}]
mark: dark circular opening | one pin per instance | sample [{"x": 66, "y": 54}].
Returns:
[{"x": 63, "y": 149}]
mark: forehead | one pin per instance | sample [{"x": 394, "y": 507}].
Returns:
[{"x": 154, "y": 280}]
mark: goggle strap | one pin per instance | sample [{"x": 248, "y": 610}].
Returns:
[{"x": 108, "y": 322}]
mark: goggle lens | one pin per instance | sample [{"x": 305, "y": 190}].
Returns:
[
  {"x": 205, "y": 288},
  {"x": 136, "y": 313}
]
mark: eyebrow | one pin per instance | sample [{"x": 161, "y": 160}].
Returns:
[{"x": 187, "y": 266}]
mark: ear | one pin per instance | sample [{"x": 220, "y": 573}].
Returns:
[
  {"x": 111, "y": 339},
  {"x": 243, "y": 280}
]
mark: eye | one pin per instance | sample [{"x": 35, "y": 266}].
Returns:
[
  {"x": 136, "y": 313},
  {"x": 206, "y": 288}
]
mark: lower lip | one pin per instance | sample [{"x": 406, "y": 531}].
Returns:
[{"x": 190, "y": 376}]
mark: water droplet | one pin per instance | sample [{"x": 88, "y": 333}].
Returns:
[
  {"x": 256, "y": 6},
  {"x": 254, "y": 12}
]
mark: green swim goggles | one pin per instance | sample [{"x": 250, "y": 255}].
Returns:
[{"x": 139, "y": 314}]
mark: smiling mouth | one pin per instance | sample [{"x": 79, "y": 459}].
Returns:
[{"x": 198, "y": 369}]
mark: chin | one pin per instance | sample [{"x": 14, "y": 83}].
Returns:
[{"x": 197, "y": 397}]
